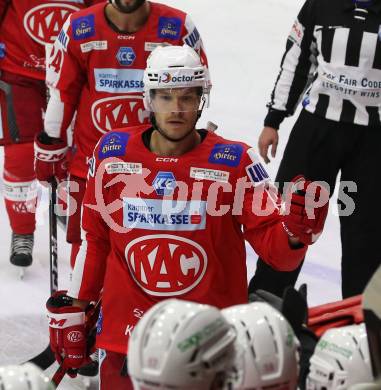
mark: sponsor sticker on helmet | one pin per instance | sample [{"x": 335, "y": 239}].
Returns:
[
  {"x": 226, "y": 154},
  {"x": 156, "y": 214},
  {"x": 166, "y": 265},
  {"x": 83, "y": 27},
  {"x": 169, "y": 28},
  {"x": 113, "y": 144}
]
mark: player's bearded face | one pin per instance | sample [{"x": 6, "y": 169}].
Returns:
[
  {"x": 127, "y": 6},
  {"x": 176, "y": 110}
]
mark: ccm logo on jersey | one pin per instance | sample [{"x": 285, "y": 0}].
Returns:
[
  {"x": 43, "y": 23},
  {"x": 113, "y": 144},
  {"x": 226, "y": 154},
  {"x": 117, "y": 112},
  {"x": 83, "y": 27},
  {"x": 166, "y": 265}
]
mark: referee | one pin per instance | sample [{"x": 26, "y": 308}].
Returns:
[{"x": 332, "y": 63}]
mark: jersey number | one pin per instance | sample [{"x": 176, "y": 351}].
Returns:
[{"x": 55, "y": 63}]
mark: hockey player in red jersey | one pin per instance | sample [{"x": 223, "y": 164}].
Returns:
[
  {"x": 166, "y": 213},
  {"x": 96, "y": 68},
  {"x": 26, "y": 27}
]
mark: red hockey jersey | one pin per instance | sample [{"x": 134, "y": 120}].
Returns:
[
  {"x": 142, "y": 247},
  {"x": 26, "y": 27},
  {"x": 99, "y": 71}
]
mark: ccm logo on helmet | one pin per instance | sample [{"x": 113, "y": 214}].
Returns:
[
  {"x": 166, "y": 265},
  {"x": 168, "y": 78}
]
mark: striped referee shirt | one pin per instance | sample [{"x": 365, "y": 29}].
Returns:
[{"x": 333, "y": 60}]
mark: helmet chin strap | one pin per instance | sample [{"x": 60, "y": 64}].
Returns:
[
  {"x": 126, "y": 9},
  {"x": 162, "y": 133}
]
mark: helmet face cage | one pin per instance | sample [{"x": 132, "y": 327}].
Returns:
[
  {"x": 180, "y": 345},
  {"x": 340, "y": 360},
  {"x": 175, "y": 67}
]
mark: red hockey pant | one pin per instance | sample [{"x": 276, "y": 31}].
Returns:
[{"x": 110, "y": 378}]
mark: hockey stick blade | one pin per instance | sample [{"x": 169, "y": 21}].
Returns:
[{"x": 372, "y": 315}]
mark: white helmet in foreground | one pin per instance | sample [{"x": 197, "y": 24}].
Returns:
[
  {"x": 171, "y": 67},
  {"x": 180, "y": 345},
  {"x": 24, "y": 377},
  {"x": 340, "y": 360},
  {"x": 267, "y": 349}
]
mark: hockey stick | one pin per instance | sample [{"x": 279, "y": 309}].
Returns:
[
  {"x": 372, "y": 315},
  {"x": 46, "y": 358}
]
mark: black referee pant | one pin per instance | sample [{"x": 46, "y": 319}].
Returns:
[{"x": 318, "y": 149}]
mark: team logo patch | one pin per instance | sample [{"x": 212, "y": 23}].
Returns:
[
  {"x": 126, "y": 56},
  {"x": 113, "y": 144},
  {"x": 83, "y": 27},
  {"x": 226, "y": 154},
  {"x": 209, "y": 174},
  {"x": 166, "y": 265},
  {"x": 118, "y": 112},
  {"x": 164, "y": 183},
  {"x": 124, "y": 167},
  {"x": 75, "y": 336},
  {"x": 169, "y": 28},
  {"x": 43, "y": 23},
  {"x": 155, "y": 214}
]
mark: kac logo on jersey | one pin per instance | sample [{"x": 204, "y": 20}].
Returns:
[
  {"x": 226, "y": 154},
  {"x": 117, "y": 112},
  {"x": 126, "y": 56},
  {"x": 169, "y": 28},
  {"x": 83, "y": 27},
  {"x": 166, "y": 265},
  {"x": 113, "y": 144},
  {"x": 43, "y": 23},
  {"x": 164, "y": 183}
]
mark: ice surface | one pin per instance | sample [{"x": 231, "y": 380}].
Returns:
[{"x": 244, "y": 40}]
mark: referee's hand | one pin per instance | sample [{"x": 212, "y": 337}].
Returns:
[{"x": 269, "y": 137}]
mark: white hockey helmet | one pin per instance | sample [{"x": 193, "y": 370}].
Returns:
[
  {"x": 24, "y": 377},
  {"x": 170, "y": 67},
  {"x": 267, "y": 349},
  {"x": 340, "y": 360},
  {"x": 180, "y": 345}
]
